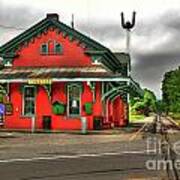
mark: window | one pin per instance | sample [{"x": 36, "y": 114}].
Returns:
[
  {"x": 58, "y": 48},
  {"x": 96, "y": 59},
  {"x": 74, "y": 98},
  {"x": 44, "y": 48},
  {"x": 51, "y": 48},
  {"x": 29, "y": 101}
]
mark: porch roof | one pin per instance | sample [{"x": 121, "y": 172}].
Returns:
[{"x": 97, "y": 71}]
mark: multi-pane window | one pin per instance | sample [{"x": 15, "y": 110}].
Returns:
[
  {"x": 74, "y": 100},
  {"x": 29, "y": 101},
  {"x": 58, "y": 48},
  {"x": 51, "y": 48},
  {"x": 44, "y": 48}
]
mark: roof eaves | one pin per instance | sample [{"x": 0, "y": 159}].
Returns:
[
  {"x": 79, "y": 35},
  {"x": 114, "y": 60},
  {"x": 95, "y": 52}
]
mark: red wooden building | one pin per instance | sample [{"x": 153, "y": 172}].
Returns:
[{"x": 53, "y": 73}]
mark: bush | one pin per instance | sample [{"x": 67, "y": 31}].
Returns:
[
  {"x": 58, "y": 108},
  {"x": 88, "y": 108},
  {"x": 1, "y": 98}
]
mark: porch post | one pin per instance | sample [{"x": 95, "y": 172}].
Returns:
[
  {"x": 33, "y": 123},
  {"x": 128, "y": 104}
]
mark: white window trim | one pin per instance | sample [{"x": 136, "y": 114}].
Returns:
[
  {"x": 8, "y": 64},
  {"x": 68, "y": 113},
  {"x": 97, "y": 61},
  {"x": 47, "y": 46},
  {"x": 28, "y": 115},
  {"x": 55, "y": 52}
]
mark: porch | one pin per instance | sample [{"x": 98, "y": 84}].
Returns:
[{"x": 94, "y": 94}]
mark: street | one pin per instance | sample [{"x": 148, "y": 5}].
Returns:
[
  {"x": 103, "y": 155},
  {"x": 57, "y": 156},
  {"x": 105, "y": 167}
]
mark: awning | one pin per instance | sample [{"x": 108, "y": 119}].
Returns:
[
  {"x": 47, "y": 75},
  {"x": 92, "y": 73},
  {"x": 123, "y": 88},
  {"x": 42, "y": 72}
]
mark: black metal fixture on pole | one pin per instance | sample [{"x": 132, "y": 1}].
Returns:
[{"x": 128, "y": 26}]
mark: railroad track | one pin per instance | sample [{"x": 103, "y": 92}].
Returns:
[
  {"x": 161, "y": 128},
  {"x": 164, "y": 126}
]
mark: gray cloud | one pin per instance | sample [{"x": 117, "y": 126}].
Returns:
[
  {"x": 166, "y": 24},
  {"x": 103, "y": 31},
  {"x": 149, "y": 65},
  {"x": 150, "y": 68},
  {"x": 171, "y": 19},
  {"x": 156, "y": 60},
  {"x": 19, "y": 16}
]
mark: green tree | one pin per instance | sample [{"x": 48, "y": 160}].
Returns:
[
  {"x": 160, "y": 106},
  {"x": 146, "y": 104},
  {"x": 171, "y": 91}
]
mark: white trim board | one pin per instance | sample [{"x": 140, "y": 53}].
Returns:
[{"x": 114, "y": 79}]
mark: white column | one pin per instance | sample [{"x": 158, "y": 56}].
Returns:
[
  {"x": 128, "y": 40},
  {"x": 33, "y": 123}
]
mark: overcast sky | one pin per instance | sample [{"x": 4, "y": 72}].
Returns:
[{"x": 155, "y": 40}]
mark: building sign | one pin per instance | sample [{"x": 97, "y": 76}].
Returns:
[{"x": 39, "y": 81}]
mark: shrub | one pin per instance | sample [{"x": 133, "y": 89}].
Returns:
[{"x": 88, "y": 108}]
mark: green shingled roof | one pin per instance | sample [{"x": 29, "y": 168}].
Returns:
[{"x": 124, "y": 58}]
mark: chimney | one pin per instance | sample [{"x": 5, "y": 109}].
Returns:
[{"x": 53, "y": 16}]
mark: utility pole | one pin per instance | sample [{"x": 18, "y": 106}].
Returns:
[{"x": 128, "y": 26}]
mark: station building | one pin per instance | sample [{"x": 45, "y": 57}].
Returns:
[{"x": 54, "y": 74}]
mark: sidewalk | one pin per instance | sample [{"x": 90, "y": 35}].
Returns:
[
  {"x": 132, "y": 127},
  {"x": 129, "y": 129}
]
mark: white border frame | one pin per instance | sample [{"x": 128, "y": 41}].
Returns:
[
  {"x": 22, "y": 111},
  {"x": 113, "y": 79},
  {"x": 80, "y": 103}
]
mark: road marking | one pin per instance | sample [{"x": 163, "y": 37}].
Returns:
[
  {"x": 135, "y": 152},
  {"x": 69, "y": 156}
]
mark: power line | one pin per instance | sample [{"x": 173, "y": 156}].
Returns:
[{"x": 11, "y": 27}]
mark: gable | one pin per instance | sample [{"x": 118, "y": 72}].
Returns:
[
  {"x": 10, "y": 50},
  {"x": 72, "y": 52}
]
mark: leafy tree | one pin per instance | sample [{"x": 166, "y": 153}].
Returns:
[
  {"x": 160, "y": 106},
  {"x": 171, "y": 91},
  {"x": 146, "y": 104}
]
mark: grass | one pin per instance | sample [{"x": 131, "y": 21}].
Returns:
[
  {"x": 136, "y": 117},
  {"x": 175, "y": 116}
]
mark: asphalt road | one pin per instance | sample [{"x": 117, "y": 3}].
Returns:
[
  {"x": 73, "y": 156},
  {"x": 105, "y": 167}
]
